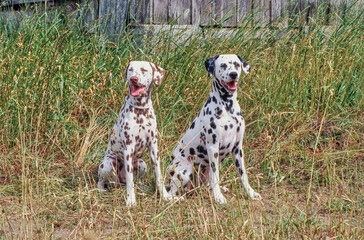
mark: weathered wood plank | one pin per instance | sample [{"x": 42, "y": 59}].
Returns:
[
  {"x": 160, "y": 11},
  {"x": 84, "y": 14},
  {"x": 217, "y": 12},
  {"x": 275, "y": 10},
  {"x": 207, "y": 12},
  {"x": 196, "y": 14},
  {"x": 296, "y": 6},
  {"x": 140, "y": 11},
  {"x": 114, "y": 15},
  {"x": 284, "y": 8},
  {"x": 261, "y": 12},
  {"x": 226, "y": 12},
  {"x": 6, "y": 3},
  {"x": 90, "y": 9},
  {"x": 244, "y": 10},
  {"x": 284, "y": 13},
  {"x": 179, "y": 12},
  {"x": 311, "y": 8},
  {"x": 296, "y": 11}
]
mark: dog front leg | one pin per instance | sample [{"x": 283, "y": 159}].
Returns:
[
  {"x": 154, "y": 156},
  {"x": 130, "y": 191},
  {"x": 107, "y": 174},
  {"x": 238, "y": 155},
  {"x": 213, "y": 154}
]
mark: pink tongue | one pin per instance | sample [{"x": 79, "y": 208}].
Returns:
[
  {"x": 232, "y": 85},
  {"x": 136, "y": 91}
]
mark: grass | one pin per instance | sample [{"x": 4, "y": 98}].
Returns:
[{"x": 61, "y": 91}]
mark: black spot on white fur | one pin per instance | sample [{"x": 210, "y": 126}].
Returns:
[{"x": 219, "y": 123}]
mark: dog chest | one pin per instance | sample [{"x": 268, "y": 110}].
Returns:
[{"x": 133, "y": 130}]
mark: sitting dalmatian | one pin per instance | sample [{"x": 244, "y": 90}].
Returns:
[
  {"x": 134, "y": 131},
  {"x": 217, "y": 131}
]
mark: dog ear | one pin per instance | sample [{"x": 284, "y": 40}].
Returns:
[
  {"x": 246, "y": 67},
  {"x": 126, "y": 73},
  {"x": 210, "y": 65},
  {"x": 158, "y": 73}
]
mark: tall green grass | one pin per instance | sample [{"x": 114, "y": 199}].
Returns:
[{"x": 61, "y": 90}]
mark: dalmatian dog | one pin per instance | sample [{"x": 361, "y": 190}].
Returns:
[
  {"x": 217, "y": 131},
  {"x": 134, "y": 131}
]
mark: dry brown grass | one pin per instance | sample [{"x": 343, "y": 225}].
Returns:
[{"x": 303, "y": 104}]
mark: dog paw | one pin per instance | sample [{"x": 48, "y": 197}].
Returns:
[
  {"x": 169, "y": 197},
  {"x": 102, "y": 191},
  {"x": 255, "y": 196},
  {"x": 224, "y": 189},
  {"x": 101, "y": 188},
  {"x": 220, "y": 199},
  {"x": 130, "y": 202}
]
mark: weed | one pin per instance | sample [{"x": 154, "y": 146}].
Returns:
[{"x": 61, "y": 91}]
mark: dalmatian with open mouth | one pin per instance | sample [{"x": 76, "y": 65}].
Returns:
[
  {"x": 217, "y": 131},
  {"x": 134, "y": 131}
]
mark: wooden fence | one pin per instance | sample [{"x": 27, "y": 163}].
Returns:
[
  {"x": 212, "y": 13},
  {"x": 226, "y": 13},
  {"x": 115, "y": 15}
]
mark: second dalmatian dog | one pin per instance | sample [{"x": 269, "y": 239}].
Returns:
[
  {"x": 217, "y": 131},
  {"x": 134, "y": 131}
]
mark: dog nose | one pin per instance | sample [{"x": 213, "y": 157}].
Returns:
[
  {"x": 233, "y": 75},
  {"x": 134, "y": 79}
]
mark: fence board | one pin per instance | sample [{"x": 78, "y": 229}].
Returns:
[
  {"x": 261, "y": 12},
  {"x": 207, "y": 12},
  {"x": 244, "y": 9},
  {"x": 275, "y": 9},
  {"x": 89, "y": 12},
  {"x": 114, "y": 16},
  {"x": 295, "y": 11},
  {"x": 160, "y": 11},
  {"x": 217, "y": 12},
  {"x": 179, "y": 11},
  {"x": 140, "y": 11},
  {"x": 195, "y": 12},
  {"x": 311, "y": 8},
  {"x": 6, "y": 3},
  {"x": 284, "y": 8},
  {"x": 226, "y": 12}
]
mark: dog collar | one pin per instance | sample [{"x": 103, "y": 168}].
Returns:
[{"x": 147, "y": 106}]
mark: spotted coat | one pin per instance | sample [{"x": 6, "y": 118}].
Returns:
[
  {"x": 134, "y": 131},
  {"x": 217, "y": 131}
]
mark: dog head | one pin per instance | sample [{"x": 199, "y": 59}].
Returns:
[
  {"x": 140, "y": 76},
  {"x": 226, "y": 70}
]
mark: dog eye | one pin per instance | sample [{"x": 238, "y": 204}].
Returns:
[
  {"x": 223, "y": 65},
  {"x": 143, "y": 70},
  {"x": 237, "y": 65}
]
